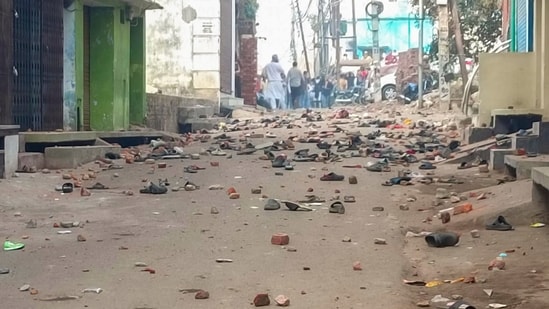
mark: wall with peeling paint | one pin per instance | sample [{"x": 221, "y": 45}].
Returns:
[
  {"x": 69, "y": 72},
  {"x": 183, "y": 57}
]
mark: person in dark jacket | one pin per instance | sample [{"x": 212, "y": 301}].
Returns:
[{"x": 327, "y": 89}]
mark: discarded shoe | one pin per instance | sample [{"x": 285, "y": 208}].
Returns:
[
  {"x": 427, "y": 166},
  {"x": 308, "y": 158},
  {"x": 332, "y": 177},
  {"x": 499, "y": 224},
  {"x": 189, "y": 169},
  {"x": 246, "y": 151},
  {"x": 296, "y": 207},
  {"x": 154, "y": 189},
  {"x": 337, "y": 208},
  {"x": 323, "y": 145},
  {"x": 272, "y": 204},
  {"x": 313, "y": 199},
  {"x": 67, "y": 187},
  {"x": 218, "y": 152},
  {"x": 302, "y": 152},
  {"x": 270, "y": 155},
  {"x": 98, "y": 186},
  {"x": 396, "y": 181},
  {"x": 460, "y": 304},
  {"x": 349, "y": 199},
  {"x": 465, "y": 165},
  {"x": 12, "y": 246},
  {"x": 279, "y": 161},
  {"x": 443, "y": 239},
  {"x": 378, "y": 167}
]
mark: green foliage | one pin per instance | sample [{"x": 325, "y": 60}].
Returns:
[
  {"x": 250, "y": 9},
  {"x": 480, "y": 24}
]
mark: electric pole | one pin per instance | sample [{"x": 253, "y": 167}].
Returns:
[
  {"x": 420, "y": 56},
  {"x": 355, "y": 43},
  {"x": 322, "y": 36},
  {"x": 336, "y": 17},
  {"x": 443, "y": 54},
  {"x": 292, "y": 41},
  {"x": 374, "y": 9},
  {"x": 302, "y": 35}
]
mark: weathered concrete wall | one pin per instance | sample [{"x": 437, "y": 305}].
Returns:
[
  {"x": 11, "y": 150},
  {"x": 507, "y": 79},
  {"x": 183, "y": 57},
  {"x": 70, "y": 18},
  {"x": 163, "y": 110},
  {"x": 72, "y": 157}
]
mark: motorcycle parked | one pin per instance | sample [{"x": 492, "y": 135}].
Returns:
[
  {"x": 358, "y": 94},
  {"x": 411, "y": 91}
]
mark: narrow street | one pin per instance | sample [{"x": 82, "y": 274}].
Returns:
[{"x": 180, "y": 235}]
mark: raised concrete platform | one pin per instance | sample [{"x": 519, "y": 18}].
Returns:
[
  {"x": 31, "y": 159},
  {"x": 506, "y": 121},
  {"x": 540, "y": 186},
  {"x": 473, "y": 135},
  {"x": 65, "y": 137},
  {"x": 528, "y": 142},
  {"x": 497, "y": 158},
  {"x": 541, "y": 129},
  {"x": 187, "y": 113},
  {"x": 9, "y": 135},
  {"x": 521, "y": 167},
  {"x": 73, "y": 156}
]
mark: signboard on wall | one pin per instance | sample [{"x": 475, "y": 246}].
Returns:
[{"x": 206, "y": 27}]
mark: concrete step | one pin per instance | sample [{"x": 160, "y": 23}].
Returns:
[
  {"x": 497, "y": 158},
  {"x": 73, "y": 156},
  {"x": 521, "y": 167},
  {"x": 31, "y": 159},
  {"x": 193, "y": 125},
  {"x": 186, "y": 113}
]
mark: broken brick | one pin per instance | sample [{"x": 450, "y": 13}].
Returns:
[
  {"x": 280, "y": 239},
  {"x": 261, "y": 300},
  {"x": 202, "y": 295},
  {"x": 234, "y": 196},
  {"x": 231, "y": 190},
  {"x": 282, "y": 301}
]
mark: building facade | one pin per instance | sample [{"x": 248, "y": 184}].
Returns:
[
  {"x": 517, "y": 83},
  {"x": 104, "y": 64},
  {"x": 194, "y": 48},
  {"x": 31, "y": 66},
  {"x": 73, "y": 64}
]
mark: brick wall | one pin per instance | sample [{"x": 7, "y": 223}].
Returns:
[
  {"x": 407, "y": 68},
  {"x": 248, "y": 68}
]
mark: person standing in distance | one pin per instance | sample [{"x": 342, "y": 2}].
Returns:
[
  {"x": 295, "y": 79},
  {"x": 273, "y": 73}
]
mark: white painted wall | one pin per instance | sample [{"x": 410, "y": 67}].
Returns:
[
  {"x": 11, "y": 155},
  {"x": 182, "y": 59}
]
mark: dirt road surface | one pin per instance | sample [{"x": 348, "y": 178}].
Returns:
[{"x": 177, "y": 236}]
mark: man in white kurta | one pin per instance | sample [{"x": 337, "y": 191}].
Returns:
[{"x": 273, "y": 73}]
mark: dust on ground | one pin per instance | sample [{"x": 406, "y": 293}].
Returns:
[{"x": 177, "y": 235}]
